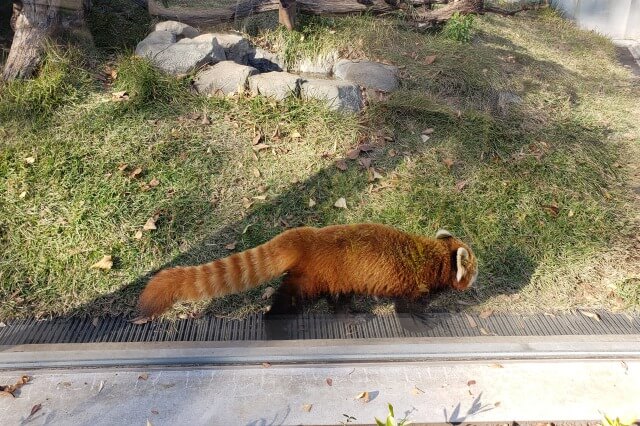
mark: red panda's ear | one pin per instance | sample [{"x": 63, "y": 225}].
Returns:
[
  {"x": 443, "y": 233},
  {"x": 462, "y": 258}
]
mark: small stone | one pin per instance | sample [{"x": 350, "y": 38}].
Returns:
[
  {"x": 178, "y": 29},
  {"x": 223, "y": 78},
  {"x": 338, "y": 95},
  {"x": 265, "y": 61},
  {"x": 277, "y": 85},
  {"x": 371, "y": 75}
]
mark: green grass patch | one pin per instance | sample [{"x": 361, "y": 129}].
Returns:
[{"x": 540, "y": 187}]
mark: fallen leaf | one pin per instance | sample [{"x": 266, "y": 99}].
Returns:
[
  {"x": 231, "y": 246},
  {"x": 153, "y": 183},
  {"x": 156, "y": 412},
  {"x": 312, "y": 202},
  {"x": 486, "y": 313},
  {"x": 428, "y": 60},
  {"x": 120, "y": 96},
  {"x": 260, "y": 197},
  {"x": 496, "y": 365},
  {"x": 552, "y": 208},
  {"x": 461, "y": 184},
  {"x": 259, "y": 147},
  {"x": 246, "y": 203},
  {"x": 2, "y": 324},
  {"x": 266, "y": 364},
  {"x": 138, "y": 235},
  {"x": 352, "y": 154},
  {"x": 101, "y": 386},
  {"x": 329, "y": 381},
  {"x": 256, "y": 172},
  {"x": 268, "y": 292},
  {"x": 205, "y": 120},
  {"x": 591, "y": 315},
  {"x": 392, "y": 153},
  {"x": 341, "y": 203},
  {"x": 30, "y": 160},
  {"x": 143, "y": 376},
  {"x": 140, "y": 320},
  {"x": 364, "y": 396},
  {"x": 374, "y": 175},
  {"x": 95, "y": 322},
  {"x": 483, "y": 331},
  {"x": 307, "y": 407},
  {"x": 365, "y": 147},
  {"x": 341, "y": 164},
  {"x": 448, "y": 162},
  {"x": 22, "y": 194},
  {"x": 549, "y": 314},
  {"x": 150, "y": 224},
  {"x": 571, "y": 213},
  {"x": 428, "y": 131},
  {"x": 471, "y": 382},
  {"x": 256, "y": 139},
  {"x": 122, "y": 167},
  {"x": 105, "y": 263},
  {"x": 365, "y": 162},
  {"x": 295, "y": 135},
  {"x": 496, "y": 404},
  {"x": 424, "y": 138},
  {"x": 416, "y": 391},
  {"x": 134, "y": 174},
  {"x": 472, "y": 322},
  {"x": 35, "y": 409}
]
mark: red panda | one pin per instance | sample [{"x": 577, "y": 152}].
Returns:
[{"x": 368, "y": 258}]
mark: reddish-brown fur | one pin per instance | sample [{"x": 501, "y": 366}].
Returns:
[{"x": 369, "y": 259}]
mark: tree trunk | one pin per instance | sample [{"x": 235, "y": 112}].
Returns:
[
  {"x": 464, "y": 7},
  {"x": 35, "y": 21},
  {"x": 287, "y": 13}
]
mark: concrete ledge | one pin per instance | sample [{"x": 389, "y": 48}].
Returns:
[{"x": 320, "y": 351}]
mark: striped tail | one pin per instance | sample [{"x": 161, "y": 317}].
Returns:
[{"x": 229, "y": 275}]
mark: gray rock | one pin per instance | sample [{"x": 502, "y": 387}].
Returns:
[
  {"x": 236, "y": 47},
  {"x": 154, "y": 43},
  {"x": 178, "y": 29},
  {"x": 321, "y": 64},
  {"x": 338, "y": 95},
  {"x": 277, "y": 85},
  {"x": 188, "y": 54},
  {"x": 506, "y": 100},
  {"x": 371, "y": 75},
  {"x": 223, "y": 78},
  {"x": 265, "y": 61}
]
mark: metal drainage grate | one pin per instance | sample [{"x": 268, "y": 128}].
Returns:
[{"x": 312, "y": 326}]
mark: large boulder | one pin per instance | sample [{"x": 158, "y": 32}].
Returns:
[
  {"x": 184, "y": 56},
  {"x": 277, "y": 85},
  {"x": 178, "y": 29},
  {"x": 371, "y": 75},
  {"x": 223, "y": 78},
  {"x": 236, "y": 47},
  {"x": 155, "y": 43},
  {"x": 338, "y": 95},
  {"x": 265, "y": 61}
]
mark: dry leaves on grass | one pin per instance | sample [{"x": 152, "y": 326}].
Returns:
[
  {"x": 553, "y": 209},
  {"x": 461, "y": 184},
  {"x": 353, "y": 154},
  {"x": 259, "y": 147},
  {"x": 365, "y": 162},
  {"x": 256, "y": 139},
  {"x": 374, "y": 175},
  {"x": 341, "y": 165},
  {"x": 312, "y": 202},
  {"x": 119, "y": 96},
  {"x": 231, "y": 246},
  {"x": 106, "y": 263},
  {"x": 135, "y": 173},
  {"x": 448, "y": 162},
  {"x": 341, "y": 203},
  {"x": 9, "y": 390},
  {"x": 150, "y": 224},
  {"x": 295, "y": 135},
  {"x": 30, "y": 160},
  {"x": 428, "y": 60}
]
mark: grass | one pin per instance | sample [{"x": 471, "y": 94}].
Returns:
[{"x": 543, "y": 190}]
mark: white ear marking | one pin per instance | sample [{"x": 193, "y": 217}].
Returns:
[
  {"x": 443, "y": 233},
  {"x": 461, "y": 255}
]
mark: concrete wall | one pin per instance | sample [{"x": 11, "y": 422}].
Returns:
[{"x": 618, "y": 19}]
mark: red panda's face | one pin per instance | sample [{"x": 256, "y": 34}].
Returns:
[{"x": 464, "y": 264}]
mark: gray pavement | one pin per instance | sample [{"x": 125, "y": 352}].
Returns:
[{"x": 432, "y": 391}]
